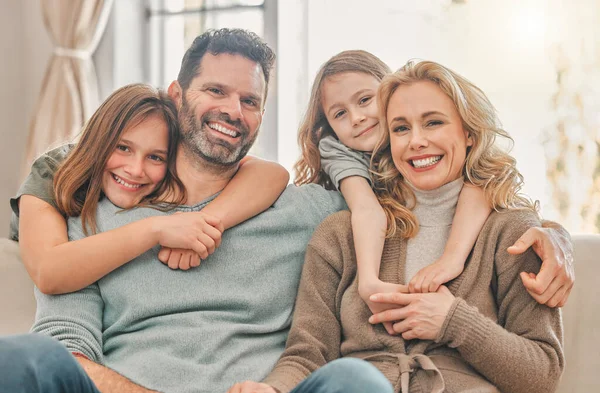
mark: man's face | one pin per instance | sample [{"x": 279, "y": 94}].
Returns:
[{"x": 222, "y": 109}]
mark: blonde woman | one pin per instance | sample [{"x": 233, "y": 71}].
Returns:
[{"x": 482, "y": 332}]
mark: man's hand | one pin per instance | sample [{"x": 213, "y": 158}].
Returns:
[
  {"x": 553, "y": 284},
  {"x": 251, "y": 387},
  {"x": 420, "y": 315}
]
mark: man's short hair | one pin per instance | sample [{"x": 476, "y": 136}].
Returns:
[{"x": 231, "y": 41}]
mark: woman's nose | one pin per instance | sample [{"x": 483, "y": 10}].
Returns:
[{"x": 418, "y": 139}]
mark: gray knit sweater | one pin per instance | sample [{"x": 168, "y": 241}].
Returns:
[{"x": 199, "y": 330}]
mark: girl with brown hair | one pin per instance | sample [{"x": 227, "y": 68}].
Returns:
[{"x": 126, "y": 153}]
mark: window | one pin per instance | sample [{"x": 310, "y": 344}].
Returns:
[{"x": 173, "y": 25}]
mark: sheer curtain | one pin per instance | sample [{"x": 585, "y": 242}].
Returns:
[{"x": 69, "y": 92}]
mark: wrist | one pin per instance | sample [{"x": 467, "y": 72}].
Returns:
[
  {"x": 368, "y": 287},
  {"x": 155, "y": 225}
]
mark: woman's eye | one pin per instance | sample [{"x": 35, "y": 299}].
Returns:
[
  {"x": 434, "y": 123},
  {"x": 400, "y": 129},
  {"x": 365, "y": 100},
  {"x": 122, "y": 148},
  {"x": 339, "y": 114}
]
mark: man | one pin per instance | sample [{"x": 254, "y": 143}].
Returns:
[{"x": 146, "y": 328}]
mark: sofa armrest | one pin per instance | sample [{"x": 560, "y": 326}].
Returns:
[{"x": 17, "y": 302}]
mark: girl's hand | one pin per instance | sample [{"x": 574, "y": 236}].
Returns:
[
  {"x": 417, "y": 315},
  {"x": 179, "y": 258},
  {"x": 431, "y": 277},
  {"x": 368, "y": 288},
  {"x": 194, "y": 231}
]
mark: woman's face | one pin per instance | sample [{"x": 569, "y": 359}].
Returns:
[
  {"x": 427, "y": 139},
  {"x": 350, "y": 106},
  {"x": 138, "y": 164}
]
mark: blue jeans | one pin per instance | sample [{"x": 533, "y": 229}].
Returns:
[
  {"x": 345, "y": 375},
  {"x": 33, "y": 363}
]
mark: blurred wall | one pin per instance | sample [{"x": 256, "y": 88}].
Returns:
[{"x": 24, "y": 48}]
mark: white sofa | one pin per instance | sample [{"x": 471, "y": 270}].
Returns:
[{"x": 581, "y": 315}]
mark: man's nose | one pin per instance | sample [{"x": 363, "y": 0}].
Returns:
[{"x": 232, "y": 107}]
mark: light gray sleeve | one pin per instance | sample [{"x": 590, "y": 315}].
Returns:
[
  {"x": 340, "y": 162},
  {"x": 74, "y": 319}
]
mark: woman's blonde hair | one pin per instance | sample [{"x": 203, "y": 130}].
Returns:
[
  {"x": 487, "y": 165},
  {"x": 78, "y": 181},
  {"x": 315, "y": 125}
]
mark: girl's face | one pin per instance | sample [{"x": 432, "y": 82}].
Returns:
[
  {"x": 138, "y": 164},
  {"x": 427, "y": 139},
  {"x": 350, "y": 106}
]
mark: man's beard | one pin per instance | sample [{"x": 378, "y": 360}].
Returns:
[{"x": 216, "y": 151}]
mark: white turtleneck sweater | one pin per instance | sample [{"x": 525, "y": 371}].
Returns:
[{"x": 434, "y": 211}]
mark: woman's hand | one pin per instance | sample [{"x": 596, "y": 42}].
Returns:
[
  {"x": 251, "y": 387},
  {"x": 194, "y": 231},
  {"x": 419, "y": 315},
  {"x": 552, "y": 285}
]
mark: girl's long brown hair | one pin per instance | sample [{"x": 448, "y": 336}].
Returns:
[
  {"x": 78, "y": 181},
  {"x": 487, "y": 165},
  {"x": 315, "y": 125}
]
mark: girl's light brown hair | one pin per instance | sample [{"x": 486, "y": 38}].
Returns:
[
  {"x": 78, "y": 181},
  {"x": 487, "y": 165},
  {"x": 315, "y": 125}
]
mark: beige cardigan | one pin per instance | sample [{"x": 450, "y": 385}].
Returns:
[{"x": 496, "y": 337}]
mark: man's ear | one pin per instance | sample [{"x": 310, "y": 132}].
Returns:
[{"x": 176, "y": 93}]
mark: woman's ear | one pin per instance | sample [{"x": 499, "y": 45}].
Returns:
[
  {"x": 176, "y": 93},
  {"x": 469, "y": 139}
]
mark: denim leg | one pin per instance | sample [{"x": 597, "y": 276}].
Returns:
[
  {"x": 33, "y": 363},
  {"x": 347, "y": 375}
]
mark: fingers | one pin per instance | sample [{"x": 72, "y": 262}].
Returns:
[
  {"x": 558, "y": 297},
  {"x": 164, "y": 254},
  {"x": 565, "y": 297},
  {"x": 208, "y": 242},
  {"x": 194, "y": 260},
  {"x": 212, "y": 221},
  {"x": 214, "y": 234},
  {"x": 392, "y": 315},
  {"x": 396, "y": 298},
  {"x": 538, "y": 283},
  {"x": 389, "y": 328},
  {"x": 415, "y": 285},
  {"x": 184, "y": 262},
  {"x": 528, "y": 239},
  {"x": 200, "y": 249},
  {"x": 174, "y": 259}
]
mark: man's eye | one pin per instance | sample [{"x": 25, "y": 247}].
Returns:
[
  {"x": 249, "y": 102},
  {"x": 339, "y": 114},
  {"x": 214, "y": 90}
]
